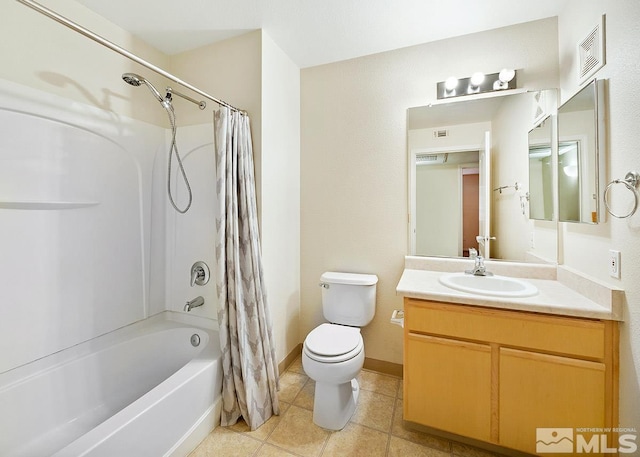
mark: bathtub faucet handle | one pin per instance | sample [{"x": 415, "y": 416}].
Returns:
[
  {"x": 199, "y": 274},
  {"x": 198, "y": 301},
  {"x": 195, "y": 274}
]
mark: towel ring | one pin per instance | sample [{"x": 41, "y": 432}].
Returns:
[{"x": 630, "y": 181}]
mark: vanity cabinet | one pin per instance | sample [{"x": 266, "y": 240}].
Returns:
[{"x": 497, "y": 375}]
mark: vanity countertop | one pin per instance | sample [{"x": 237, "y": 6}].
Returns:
[{"x": 554, "y": 296}]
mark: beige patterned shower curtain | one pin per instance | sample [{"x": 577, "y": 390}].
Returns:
[{"x": 249, "y": 367}]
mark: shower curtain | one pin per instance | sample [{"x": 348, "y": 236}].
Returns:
[{"x": 249, "y": 367}]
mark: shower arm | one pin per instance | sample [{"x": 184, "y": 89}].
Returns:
[
  {"x": 201, "y": 103},
  {"x": 114, "y": 47}
]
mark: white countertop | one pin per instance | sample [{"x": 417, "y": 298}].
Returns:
[{"x": 553, "y": 297}]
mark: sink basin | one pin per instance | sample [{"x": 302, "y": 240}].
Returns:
[{"x": 497, "y": 286}]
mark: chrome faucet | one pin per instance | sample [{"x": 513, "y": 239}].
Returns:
[
  {"x": 199, "y": 274},
  {"x": 479, "y": 268},
  {"x": 198, "y": 301}
]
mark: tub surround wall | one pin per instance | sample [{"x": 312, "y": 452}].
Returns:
[
  {"x": 76, "y": 217},
  {"x": 190, "y": 237}
]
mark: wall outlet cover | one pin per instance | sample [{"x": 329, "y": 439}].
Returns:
[{"x": 614, "y": 264}]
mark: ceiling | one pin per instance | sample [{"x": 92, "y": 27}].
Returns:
[{"x": 315, "y": 32}]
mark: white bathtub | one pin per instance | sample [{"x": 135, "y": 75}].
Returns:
[{"x": 143, "y": 390}]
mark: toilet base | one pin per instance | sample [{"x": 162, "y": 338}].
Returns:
[{"x": 334, "y": 404}]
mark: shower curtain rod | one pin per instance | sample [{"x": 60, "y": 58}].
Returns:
[{"x": 114, "y": 47}]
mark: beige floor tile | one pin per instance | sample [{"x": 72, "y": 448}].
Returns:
[
  {"x": 400, "y": 390},
  {"x": 379, "y": 383},
  {"x": 374, "y": 410},
  {"x": 262, "y": 432},
  {"x": 305, "y": 397},
  {"x": 403, "y": 448},
  {"x": 223, "y": 442},
  {"x": 290, "y": 385},
  {"x": 297, "y": 433},
  {"x": 268, "y": 450},
  {"x": 296, "y": 366},
  {"x": 417, "y": 437},
  {"x": 356, "y": 441}
]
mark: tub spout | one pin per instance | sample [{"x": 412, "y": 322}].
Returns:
[{"x": 198, "y": 301}]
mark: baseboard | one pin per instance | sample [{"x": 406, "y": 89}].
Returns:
[
  {"x": 381, "y": 366},
  {"x": 288, "y": 360},
  {"x": 384, "y": 367}
]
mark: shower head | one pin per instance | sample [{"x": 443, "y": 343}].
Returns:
[{"x": 137, "y": 81}]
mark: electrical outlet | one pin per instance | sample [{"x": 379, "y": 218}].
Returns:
[{"x": 614, "y": 263}]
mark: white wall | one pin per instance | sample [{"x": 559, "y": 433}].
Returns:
[
  {"x": 43, "y": 54},
  {"x": 585, "y": 247},
  {"x": 354, "y": 156},
  {"x": 253, "y": 74},
  {"x": 280, "y": 200}
]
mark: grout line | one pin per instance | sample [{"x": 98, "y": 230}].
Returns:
[{"x": 390, "y": 435}]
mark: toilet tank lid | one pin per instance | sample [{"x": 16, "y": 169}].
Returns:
[{"x": 334, "y": 277}]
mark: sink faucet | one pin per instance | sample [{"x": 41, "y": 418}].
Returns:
[
  {"x": 479, "y": 268},
  {"x": 198, "y": 301}
]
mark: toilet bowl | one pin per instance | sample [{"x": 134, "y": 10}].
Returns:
[{"x": 333, "y": 355}]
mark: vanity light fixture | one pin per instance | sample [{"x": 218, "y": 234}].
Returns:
[{"x": 476, "y": 84}]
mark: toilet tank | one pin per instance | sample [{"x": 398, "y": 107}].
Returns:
[{"x": 348, "y": 298}]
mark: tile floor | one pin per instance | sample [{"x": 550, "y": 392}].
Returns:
[{"x": 375, "y": 430}]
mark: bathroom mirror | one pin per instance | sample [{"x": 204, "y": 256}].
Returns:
[
  {"x": 541, "y": 154},
  {"x": 581, "y": 155},
  {"x": 469, "y": 179}
]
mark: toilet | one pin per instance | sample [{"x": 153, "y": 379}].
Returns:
[{"x": 333, "y": 352}]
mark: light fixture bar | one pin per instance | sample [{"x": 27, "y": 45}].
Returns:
[{"x": 477, "y": 84}]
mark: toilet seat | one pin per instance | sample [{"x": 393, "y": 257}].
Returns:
[{"x": 331, "y": 343}]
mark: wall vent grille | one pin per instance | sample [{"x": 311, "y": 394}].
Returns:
[
  {"x": 440, "y": 133},
  {"x": 431, "y": 159},
  {"x": 427, "y": 158},
  {"x": 591, "y": 52}
]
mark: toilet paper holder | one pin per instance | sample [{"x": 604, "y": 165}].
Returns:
[{"x": 397, "y": 317}]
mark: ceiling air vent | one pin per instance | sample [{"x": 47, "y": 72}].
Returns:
[
  {"x": 440, "y": 133},
  {"x": 591, "y": 53},
  {"x": 431, "y": 159}
]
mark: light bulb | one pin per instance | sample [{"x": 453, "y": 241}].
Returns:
[
  {"x": 506, "y": 75},
  {"x": 451, "y": 83},
  {"x": 477, "y": 78}
]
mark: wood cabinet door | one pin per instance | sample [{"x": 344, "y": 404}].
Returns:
[
  {"x": 547, "y": 391},
  {"x": 447, "y": 385}
]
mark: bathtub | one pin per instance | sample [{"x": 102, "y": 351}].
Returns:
[{"x": 143, "y": 390}]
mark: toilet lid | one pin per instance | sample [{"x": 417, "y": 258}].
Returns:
[{"x": 331, "y": 340}]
